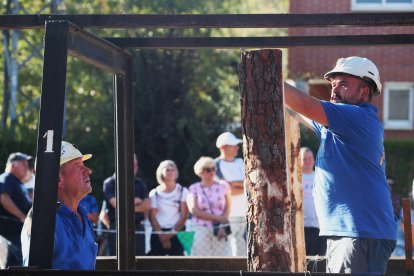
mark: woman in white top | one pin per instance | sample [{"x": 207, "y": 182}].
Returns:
[
  {"x": 315, "y": 244},
  {"x": 168, "y": 211}
]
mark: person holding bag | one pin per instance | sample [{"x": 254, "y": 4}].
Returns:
[{"x": 209, "y": 203}]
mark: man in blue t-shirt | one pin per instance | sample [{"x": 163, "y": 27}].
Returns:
[
  {"x": 74, "y": 247},
  {"x": 352, "y": 198},
  {"x": 142, "y": 204},
  {"x": 14, "y": 204}
]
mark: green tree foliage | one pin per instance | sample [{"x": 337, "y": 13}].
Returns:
[
  {"x": 198, "y": 88},
  {"x": 89, "y": 117},
  {"x": 183, "y": 98},
  {"x": 400, "y": 163},
  {"x": 183, "y": 125}
]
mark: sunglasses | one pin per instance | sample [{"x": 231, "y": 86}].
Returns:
[{"x": 209, "y": 170}]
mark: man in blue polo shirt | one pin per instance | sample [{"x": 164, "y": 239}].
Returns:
[
  {"x": 14, "y": 204},
  {"x": 74, "y": 246},
  {"x": 352, "y": 198}
]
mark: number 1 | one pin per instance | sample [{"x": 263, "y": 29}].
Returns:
[{"x": 49, "y": 141}]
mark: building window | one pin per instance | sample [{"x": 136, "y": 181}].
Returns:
[
  {"x": 398, "y": 105},
  {"x": 382, "y": 5}
]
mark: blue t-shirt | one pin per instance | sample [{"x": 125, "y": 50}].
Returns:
[
  {"x": 11, "y": 226},
  {"x": 351, "y": 194},
  {"x": 90, "y": 204},
  {"x": 141, "y": 191},
  {"x": 75, "y": 247},
  {"x": 11, "y": 185}
]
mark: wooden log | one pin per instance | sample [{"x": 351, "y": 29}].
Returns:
[
  {"x": 294, "y": 171},
  {"x": 262, "y": 111}
]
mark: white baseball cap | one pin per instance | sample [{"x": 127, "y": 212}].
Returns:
[
  {"x": 18, "y": 156},
  {"x": 227, "y": 138},
  {"x": 359, "y": 67},
  {"x": 70, "y": 152}
]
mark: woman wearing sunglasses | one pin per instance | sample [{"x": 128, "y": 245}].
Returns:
[{"x": 209, "y": 203}]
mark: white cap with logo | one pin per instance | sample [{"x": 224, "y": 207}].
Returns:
[
  {"x": 227, "y": 138},
  {"x": 70, "y": 152},
  {"x": 359, "y": 67}
]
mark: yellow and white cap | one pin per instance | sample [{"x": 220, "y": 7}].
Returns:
[{"x": 70, "y": 152}]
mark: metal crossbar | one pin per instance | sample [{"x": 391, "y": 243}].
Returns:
[
  {"x": 262, "y": 42},
  {"x": 212, "y": 20}
]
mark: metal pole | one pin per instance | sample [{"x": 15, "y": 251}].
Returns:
[
  {"x": 49, "y": 144},
  {"x": 5, "y": 111},
  {"x": 124, "y": 137},
  {"x": 14, "y": 81}
]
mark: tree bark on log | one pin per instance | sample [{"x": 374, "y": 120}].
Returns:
[
  {"x": 269, "y": 239},
  {"x": 292, "y": 131}
]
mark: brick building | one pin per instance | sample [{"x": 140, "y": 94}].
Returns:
[{"x": 307, "y": 65}]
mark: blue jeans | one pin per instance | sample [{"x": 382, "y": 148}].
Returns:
[
  {"x": 314, "y": 244},
  {"x": 358, "y": 255}
]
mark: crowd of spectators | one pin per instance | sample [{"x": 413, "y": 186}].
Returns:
[
  {"x": 206, "y": 218},
  {"x": 171, "y": 219}
]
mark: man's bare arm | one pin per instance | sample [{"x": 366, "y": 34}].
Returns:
[
  {"x": 142, "y": 205},
  {"x": 11, "y": 207},
  {"x": 112, "y": 201},
  {"x": 304, "y": 104},
  {"x": 236, "y": 187}
]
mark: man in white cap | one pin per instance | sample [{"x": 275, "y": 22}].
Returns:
[
  {"x": 352, "y": 198},
  {"x": 14, "y": 203},
  {"x": 231, "y": 169},
  {"x": 74, "y": 247}
]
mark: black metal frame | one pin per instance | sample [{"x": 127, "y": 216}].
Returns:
[
  {"x": 63, "y": 38},
  {"x": 212, "y": 20},
  {"x": 261, "y": 42}
]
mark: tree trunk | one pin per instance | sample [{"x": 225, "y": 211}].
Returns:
[
  {"x": 269, "y": 212},
  {"x": 296, "y": 193}
]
